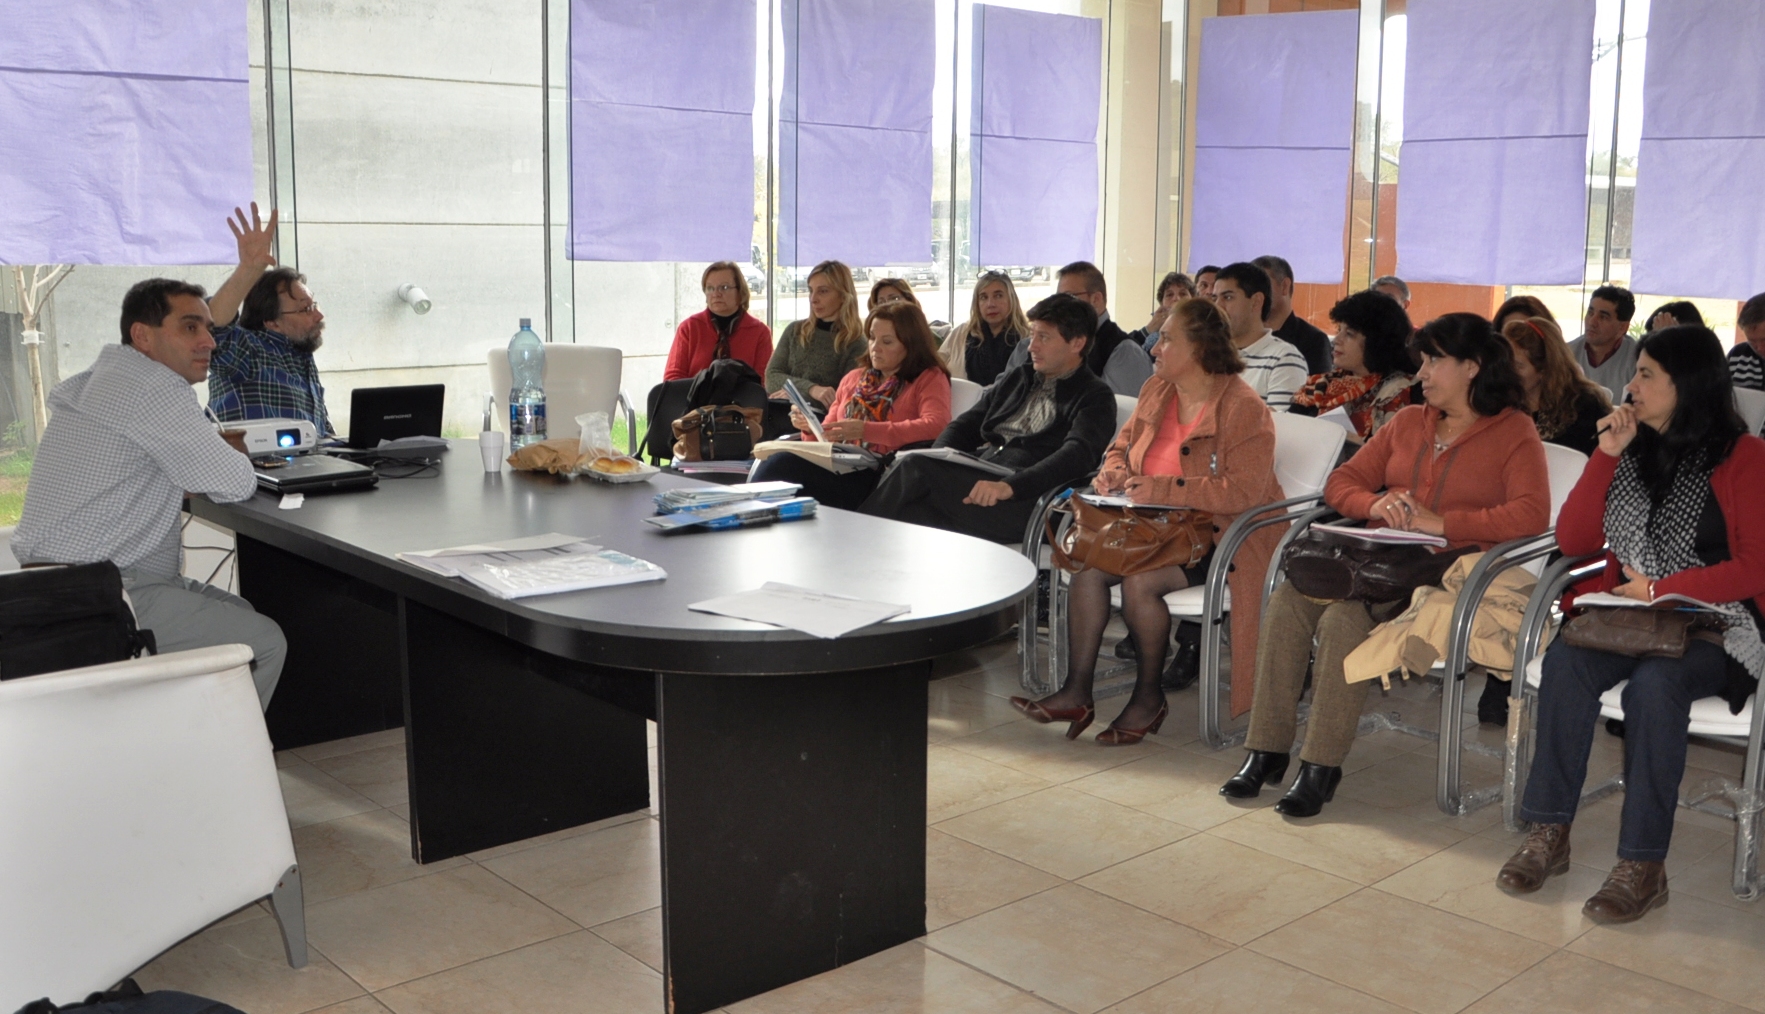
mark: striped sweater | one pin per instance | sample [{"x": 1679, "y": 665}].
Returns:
[{"x": 1274, "y": 369}]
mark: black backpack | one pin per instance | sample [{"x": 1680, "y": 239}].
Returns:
[
  {"x": 725, "y": 382},
  {"x": 54, "y": 618},
  {"x": 128, "y": 998}
]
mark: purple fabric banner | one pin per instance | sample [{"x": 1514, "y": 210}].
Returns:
[
  {"x": 1493, "y": 186},
  {"x": 1038, "y": 81},
  {"x": 1274, "y": 129},
  {"x": 855, "y": 144},
  {"x": 661, "y": 130},
  {"x": 125, "y": 131},
  {"x": 1700, "y": 201}
]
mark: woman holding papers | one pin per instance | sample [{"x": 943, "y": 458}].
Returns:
[
  {"x": 1374, "y": 372},
  {"x": 1672, "y": 495},
  {"x": 898, "y": 395},
  {"x": 1199, "y": 438},
  {"x": 818, "y": 350},
  {"x": 1566, "y": 406},
  {"x": 1466, "y": 466}
]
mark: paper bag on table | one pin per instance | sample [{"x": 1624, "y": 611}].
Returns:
[{"x": 555, "y": 456}]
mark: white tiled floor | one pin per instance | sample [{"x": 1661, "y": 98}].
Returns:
[{"x": 1063, "y": 876}]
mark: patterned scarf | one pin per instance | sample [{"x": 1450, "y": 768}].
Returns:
[
  {"x": 1658, "y": 540},
  {"x": 1370, "y": 401},
  {"x": 725, "y": 330},
  {"x": 875, "y": 397}
]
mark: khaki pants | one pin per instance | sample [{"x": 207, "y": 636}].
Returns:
[{"x": 1290, "y": 623}]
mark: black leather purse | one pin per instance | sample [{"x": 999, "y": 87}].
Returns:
[{"x": 1328, "y": 565}]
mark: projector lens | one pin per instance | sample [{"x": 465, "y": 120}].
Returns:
[{"x": 287, "y": 438}]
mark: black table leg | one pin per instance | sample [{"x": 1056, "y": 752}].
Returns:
[
  {"x": 341, "y": 676},
  {"x": 793, "y": 826},
  {"x": 500, "y": 747}
]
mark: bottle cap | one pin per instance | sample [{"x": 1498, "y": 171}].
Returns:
[{"x": 526, "y": 321}]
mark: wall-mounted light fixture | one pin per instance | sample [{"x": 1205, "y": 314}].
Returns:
[{"x": 418, "y": 299}]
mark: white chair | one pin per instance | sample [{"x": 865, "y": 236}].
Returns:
[
  {"x": 1124, "y": 410},
  {"x": 1710, "y": 718},
  {"x": 578, "y": 379},
  {"x": 139, "y": 802},
  {"x": 1751, "y": 405},
  {"x": 963, "y": 395}
]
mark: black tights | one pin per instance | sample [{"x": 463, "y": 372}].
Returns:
[{"x": 1148, "y": 619}]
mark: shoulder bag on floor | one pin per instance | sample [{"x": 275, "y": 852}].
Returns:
[
  {"x": 1326, "y": 565},
  {"x": 55, "y": 618},
  {"x": 1130, "y": 540}
]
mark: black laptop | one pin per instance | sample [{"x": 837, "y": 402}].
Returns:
[
  {"x": 391, "y": 413},
  {"x": 311, "y": 473}
]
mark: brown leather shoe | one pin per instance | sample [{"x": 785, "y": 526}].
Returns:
[
  {"x": 1630, "y": 892},
  {"x": 1544, "y": 854}
]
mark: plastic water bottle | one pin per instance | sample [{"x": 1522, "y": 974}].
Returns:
[{"x": 527, "y": 396}]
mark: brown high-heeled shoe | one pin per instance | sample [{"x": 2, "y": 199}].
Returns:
[
  {"x": 1079, "y": 717},
  {"x": 1115, "y": 735}
]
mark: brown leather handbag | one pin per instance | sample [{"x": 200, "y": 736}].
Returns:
[
  {"x": 1130, "y": 540},
  {"x": 717, "y": 433},
  {"x": 1633, "y": 633}
]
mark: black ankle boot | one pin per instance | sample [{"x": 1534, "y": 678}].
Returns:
[
  {"x": 1125, "y": 648},
  {"x": 1492, "y": 707},
  {"x": 1262, "y": 767},
  {"x": 1314, "y": 786},
  {"x": 1184, "y": 667}
]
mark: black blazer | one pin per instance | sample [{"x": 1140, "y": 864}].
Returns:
[{"x": 1067, "y": 449}]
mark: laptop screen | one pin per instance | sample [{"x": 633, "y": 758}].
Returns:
[{"x": 388, "y": 413}]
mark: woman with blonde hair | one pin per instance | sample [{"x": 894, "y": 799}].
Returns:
[
  {"x": 977, "y": 349},
  {"x": 724, "y": 330},
  {"x": 1566, "y": 406},
  {"x": 817, "y": 351}
]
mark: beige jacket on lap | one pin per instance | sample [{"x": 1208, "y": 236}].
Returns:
[{"x": 1412, "y": 642}]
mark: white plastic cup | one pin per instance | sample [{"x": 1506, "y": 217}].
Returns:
[{"x": 490, "y": 446}]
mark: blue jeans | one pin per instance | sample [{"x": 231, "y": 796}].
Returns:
[{"x": 1657, "y": 712}]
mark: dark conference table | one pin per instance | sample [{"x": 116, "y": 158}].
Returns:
[{"x": 791, "y": 768}]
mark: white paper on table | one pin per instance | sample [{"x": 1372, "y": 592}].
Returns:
[
  {"x": 550, "y": 540},
  {"x": 812, "y": 612},
  {"x": 1612, "y": 601},
  {"x": 1339, "y": 416},
  {"x": 1384, "y": 536}
]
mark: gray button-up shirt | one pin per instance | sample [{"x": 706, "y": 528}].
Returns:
[{"x": 126, "y": 439}]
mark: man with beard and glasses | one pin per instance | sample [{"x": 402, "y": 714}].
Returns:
[{"x": 267, "y": 327}]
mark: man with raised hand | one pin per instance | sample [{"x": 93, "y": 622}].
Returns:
[
  {"x": 126, "y": 441},
  {"x": 267, "y": 327}
]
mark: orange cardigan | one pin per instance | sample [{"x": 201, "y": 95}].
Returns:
[
  {"x": 1228, "y": 468},
  {"x": 920, "y": 412},
  {"x": 1490, "y": 486}
]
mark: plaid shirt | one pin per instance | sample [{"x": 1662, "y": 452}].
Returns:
[{"x": 259, "y": 375}]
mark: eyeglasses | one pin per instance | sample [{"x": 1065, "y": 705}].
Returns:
[
  {"x": 312, "y": 307},
  {"x": 721, "y": 290}
]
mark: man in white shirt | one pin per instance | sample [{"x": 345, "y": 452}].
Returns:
[
  {"x": 1273, "y": 368},
  {"x": 1605, "y": 352},
  {"x": 126, "y": 441}
]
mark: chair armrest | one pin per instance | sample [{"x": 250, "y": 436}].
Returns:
[
  {"x": 1300, "y": 524},
  {"x": 624, "y": 404},
  {"x": 1551, "y": 585},
  {"x": 1496, "y": 561},
  {"x": 1232, "y": 539}
]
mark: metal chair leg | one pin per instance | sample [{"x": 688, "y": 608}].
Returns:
[{"x": 289, "y": 907}]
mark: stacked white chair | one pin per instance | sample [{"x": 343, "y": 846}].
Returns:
[
  {"x": 963, "y": 395},
  {"x": 139, "y": 802},
  {"x": 578, "y": 379}
]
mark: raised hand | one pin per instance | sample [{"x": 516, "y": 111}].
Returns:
[{"x": 255, "y": 239}]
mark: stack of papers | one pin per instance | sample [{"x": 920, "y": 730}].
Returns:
[
  {"x": 955, "y": 456},
  {"x": 836, "y": 458},
  {"x": 670, "y": 500},
  {"x": 1660, "y": 602},
  {"x": 812, "y": 612},
  {"x": 741, "y": 514},
  {"x": 1112, "y": 500},
  {"x": 1383, "y": 536},
  {"x": 536, "y": 565}
]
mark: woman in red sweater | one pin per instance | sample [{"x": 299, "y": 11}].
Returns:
[
  {"x": 898, "y": 395},
  {"x": 1467, "y": 466},
  {"x": 1672, "y": 495},
  {"x": 725, "y": 330}
]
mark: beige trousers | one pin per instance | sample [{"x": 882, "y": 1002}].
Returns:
[{"x": 1290, "y": 624}]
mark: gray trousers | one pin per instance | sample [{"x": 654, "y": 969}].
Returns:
[{"x": 185, "y": 614}]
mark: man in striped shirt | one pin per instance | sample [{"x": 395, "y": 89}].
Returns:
[
  {"x": 1273, "y": 368},
  {"x": 1746, "y": 361}
]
